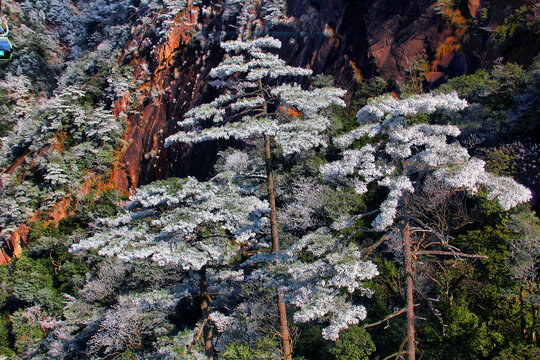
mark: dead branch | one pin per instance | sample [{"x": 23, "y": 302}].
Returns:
[
  {"x": 397, "y": 313},
  {"x": 197, "y": 337},
  {"x": 372, "y": 248},
  {"x": 395, "y": 355},
  {"x": 451, "y": 253}
]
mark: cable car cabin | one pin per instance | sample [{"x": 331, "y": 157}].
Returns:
[{"x": 5, "y": 49}]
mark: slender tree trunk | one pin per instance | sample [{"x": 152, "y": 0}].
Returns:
[
  {"x": 271, "y": 194},
  {"x": 282, "y": 312},
  {"x": 522, "y": 312},
  {"x": 206, "y": 307},
  {"x": 534, "y": 311},
  {"x": 409, "y": 281}
]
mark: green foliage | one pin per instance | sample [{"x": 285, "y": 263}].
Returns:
[
  {"x": 353, "y": 344},
  {"x": 344, "y": 201},
  {"x": 496, "y": 89},
  {"x": 499, "y": 162},
  {"x": 39, "y": 277},
  {"x": 502, "y": 101},
  {"x": 264, "y": 349},
  {"x": 516, "y": 25},
  {"x": 417, "y": 70},
  {"x": 387, "y": 336},
  {"x": 519, "y": 351},
  {"x": 310, "y": 344},
  {"x": 472, "y": 87},
  {"x": 466, "y": 337},
  {"x": 32, "y": 280},
  {"x": 419, "y": 119},
  {"x": 368, "y": 89},
  {"x": 42, "y": 228},
  {"x": 480, "y": 318},
  {"x": 27, "y": 333},
  {"x": 5, "y": 344}
]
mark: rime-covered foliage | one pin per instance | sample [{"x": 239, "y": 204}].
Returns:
[
  {"x": 409, "y": 150},
  {"x": 184, "y": 222},
  {"x": 71, "y": 132},
  {"x": 318, "y": 274},
  {"x": 524, "y": 254},
  {"x": 58, "y": 141},
  {"x": 253, "y": 18},
  {"x": 121, "y": 307},
  {"x": 253, "y": 102}
]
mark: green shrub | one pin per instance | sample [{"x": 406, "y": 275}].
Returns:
[{"x": 353, "y": 344}]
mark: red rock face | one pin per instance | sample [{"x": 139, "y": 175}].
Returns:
[
  {"x": 368, "y": 38},
  {"x": 474, "y": 6},
  {"x": 398, "y": 32},
  {"x": 176, "y": 82}
]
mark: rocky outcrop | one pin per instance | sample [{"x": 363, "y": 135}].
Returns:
[
  {"x": 173, "y": 81},
  {"x": 356, "y": 39}
]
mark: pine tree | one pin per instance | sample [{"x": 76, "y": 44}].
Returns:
[
  {"x": 202, "y": 227},
  {"x": 523, "y": 262},
  {"x": 255, "y": 104},
  {"x": 401, "y": 155}
]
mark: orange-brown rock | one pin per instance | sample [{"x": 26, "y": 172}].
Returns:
[
  {"x": 372, "y": 37},
  {"x": 173, "y": 86},
  {"x": 474, "y": 6},
  {"x": 435, "y": 76},
  {"x": 13, "y": 247}
]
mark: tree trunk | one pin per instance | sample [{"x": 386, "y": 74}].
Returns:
[
  {"x": 411, "y": 344},
  {"x": 522, "y": 312},
  {"x": 206, "y": 307},
  {"x": 282, "y": 312},
  {"x": 271, "y": 195},
  {"x": 534, "y": 326}
]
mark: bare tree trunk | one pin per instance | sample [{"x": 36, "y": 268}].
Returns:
[
  {"x": 534, "y": 310},
  {"x": 522, "y": 312},
  {"x": 271, "y": 195},
  {"x": 206, "y": 306},
  {"x": 411, "y": 345},
  {"x": 282, "y": 311}
]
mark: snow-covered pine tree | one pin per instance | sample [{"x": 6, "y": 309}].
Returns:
[
  {"x": 318, "y": 274},
  {"x": 523, "y": 261},
  {"x": 400, "y": 156},
  {"x": 205, "y": 228},
  {"x": 257, "y": 103}
]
